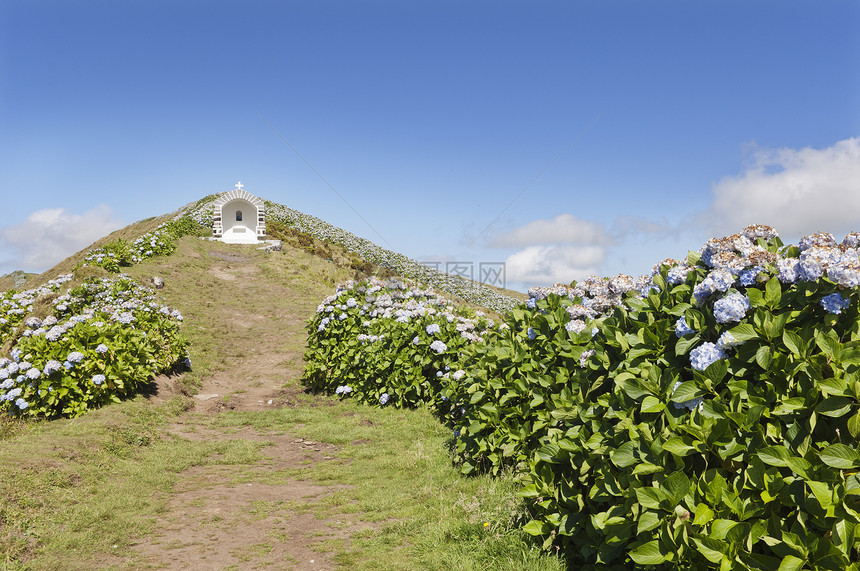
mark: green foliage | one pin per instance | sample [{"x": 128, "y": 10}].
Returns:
[
  {"x": 105, "y": 341},
  {"x": 635, "y": 457},
  {"x": 377, "y": 338}
]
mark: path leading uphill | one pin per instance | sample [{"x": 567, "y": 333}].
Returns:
[{"x": 245, "y": 313}]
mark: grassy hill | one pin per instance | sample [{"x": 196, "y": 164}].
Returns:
[{"x": 231, "y": 465}]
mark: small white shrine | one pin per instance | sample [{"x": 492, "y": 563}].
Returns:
[{"x": 239, "y": 217}]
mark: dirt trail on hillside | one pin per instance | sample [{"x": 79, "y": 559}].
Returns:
[{"x": 228, "y": 517}]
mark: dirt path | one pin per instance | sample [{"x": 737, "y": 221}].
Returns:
[{"x": 240, "y": 517}]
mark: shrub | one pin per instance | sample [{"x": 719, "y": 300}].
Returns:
[
  {"x": 104, "y": 342},
  {"x": 384, "y": 342},
  {"x": 715, "y": 424}
]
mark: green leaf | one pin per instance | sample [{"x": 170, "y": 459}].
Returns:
[
  {"x": 647, "y": 521},
  {"x": 649, "y": 554},
  {"x": 791, "y": 563},
  {"x": 549, "y": 453},
  {"x": 794, "y": 343},
  {"x": 685, "y": 343},
  {"x": 720, "y": 527},
  {"x": 756, "y": 297},
  {"x": 676, "y": 486},
  {"x": 676, "y": 446},
  {"x": 840, "y": 456},
  {"x": 854, "y": 425},
  {"x": 650, "y": 498},
  {"x": 774, "y": 455},
  {"x": 764, "y": 356},
  {"x": 652, "y": 404},
  {"x": 717, "y": 370},
  {"x": 822, "y": 492},
  {"x": 712, "y": 549},
  {"x": 687, "y": 390},
  {"x": 834, "y": 406},
  {"x": 743, "y": 332},
  {"x": 624, "y": 455},
  {"x": 704, "y": 514},
  {"x": 772, "y": 292},
  {"x": 646, "y": 468},
  {"x": 535, "y": 527}
]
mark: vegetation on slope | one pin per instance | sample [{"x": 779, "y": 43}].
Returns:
[{"x": 707, "y": 419}]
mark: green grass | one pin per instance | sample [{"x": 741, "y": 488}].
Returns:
[
  {"x": 398, "y": 470},
  {"x": 74, "y": 489}
]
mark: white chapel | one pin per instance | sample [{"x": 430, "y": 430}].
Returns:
[{"x": 239, "y": 217}]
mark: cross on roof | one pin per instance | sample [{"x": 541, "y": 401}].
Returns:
[{"x": 239, "y": 185}]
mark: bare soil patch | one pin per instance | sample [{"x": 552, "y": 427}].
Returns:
[{"x": 227, "y": 516}]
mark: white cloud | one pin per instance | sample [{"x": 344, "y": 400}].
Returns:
[
  {"x": 795, "y": 191},
  {"x": 548, "y": 264},
  {"x": 49, "y": 235},
  {"x": 563, "y": 229}
]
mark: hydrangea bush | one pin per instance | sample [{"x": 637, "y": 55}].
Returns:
[
  {"x": 103, "y": 341},
  {"x": 387, "y": 342},
  {"x": 706, "y": 416}
]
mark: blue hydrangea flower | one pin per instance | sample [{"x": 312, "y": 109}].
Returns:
[
  {"x": 731, "y": 308},
  {"x": 788, "y": 270},
  {"x": 531, "y": 333},
  {"x": 727, "y": 341},
  {"x": 678, "y": 275},
  {"x": 52, "y": 366},
  {"x": 350, "y": 303},
  {"x": 438, "y": 346},
  {"x": 75, "y": 357},
  {"x": 681, "y": 328},
  {"x": 705, "y": 354},
  {"x": 809, "y": 270},
  {"x": 7, "y": 384},
  {"x": 21, "y": 404},
  {"x": 98, "y": 379},
  {"x": 432, "y": 329},
  {"x": 531, "y": 303},
  {"x": 102, "y": 348},
  {"x": 55, "y": 333},
  {"x": 33, "y": 374},
  {"x": 383, "y": 399},
  {"x": 718, "y": 280},
  {"x": 834, "y": 303},
  {"x": 749, "y": 275}
]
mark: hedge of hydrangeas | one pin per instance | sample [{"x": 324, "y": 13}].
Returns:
[
  {"x": 390, "y": 343},
  {"x": 706, "y": 416},
  {"x": 102, "y": 341}
]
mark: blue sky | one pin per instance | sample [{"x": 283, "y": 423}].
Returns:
[{"x": 616, "y": 133}]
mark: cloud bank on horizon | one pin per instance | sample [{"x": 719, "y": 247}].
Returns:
[
  {"x": 50, "y": 235},
  {"x": 797, "y": 191}
]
